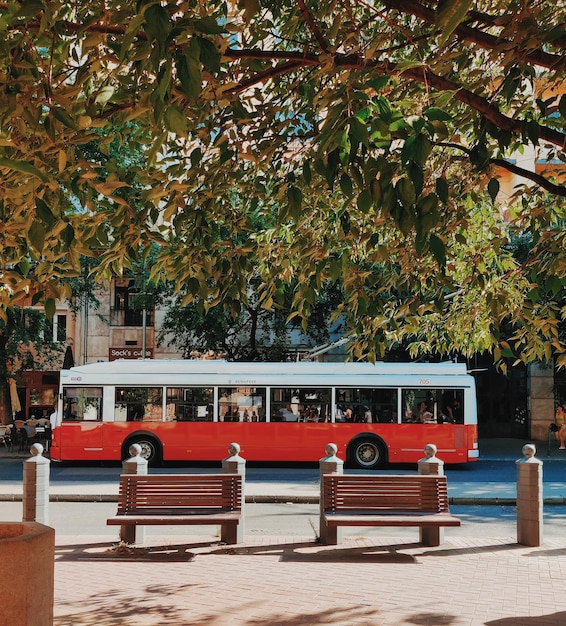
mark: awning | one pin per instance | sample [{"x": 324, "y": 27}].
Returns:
[{"x": 14, "y": 399}]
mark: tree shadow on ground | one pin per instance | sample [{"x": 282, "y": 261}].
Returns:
[{"x": 548, "y": 618}]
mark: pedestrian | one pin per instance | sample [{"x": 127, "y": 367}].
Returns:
[{"x": 560, "y": 421}]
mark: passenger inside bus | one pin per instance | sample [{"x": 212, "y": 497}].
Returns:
[{"x": 424, "y": 415}]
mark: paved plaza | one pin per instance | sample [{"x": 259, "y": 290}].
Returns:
[{"x": 286, "y": 581}]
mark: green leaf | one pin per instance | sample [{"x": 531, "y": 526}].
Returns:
[
  {"x": 30, "y": 8},
  {"x": 209, "y": 55},
  {"x": 175, "y": 121},
  {"x": 44, "y": 213},
  {"x": 346, "y": 185},
  {"x": 50, "y": 308},
  {"x": 307, "y": 174},
  {"x": 406, "y": 192},
  {"x": 493, "y": 188},
  {"x": 295, "y": 200},
  {"x": 449, "y": 15},
  {"x": 208, "y": 26},
  {"x": 24, "y": 266},
  {"x": 438, "y": 250},
  {"x": 359, "y": 131},
  {"x": 421, "y": 149},
  {"x": 24, "y": 167},
  {"x": 189, "y": 69},
  {"x": 36, "y": 234},
  {"x": 157, "y": 24},
  {"x": 69, "y": 235},
  {"x": 442, "y": 189},
  {"x": 364, "y": 201},
  {"x": 437, "y": 114},
  {"x": 62, "y": 116}
]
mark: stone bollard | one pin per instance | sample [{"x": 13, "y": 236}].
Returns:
[
  {"x": 134, "y": 465},
  {"x": 235, "y": 464},
  {"x": 330, "y": 464},
  {"x": 431, "y": 465},
  {"x": 529, "y": 498},
  {"x": 36, "y": 487}
]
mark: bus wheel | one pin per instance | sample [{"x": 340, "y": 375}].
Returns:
[
  {"x": 368, "y": 453},
  {"x": 150, "y": 450}
]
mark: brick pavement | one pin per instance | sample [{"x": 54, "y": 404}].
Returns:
[{"x": 288, "y": 581}]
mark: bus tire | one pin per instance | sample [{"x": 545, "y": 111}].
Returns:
[
  {"x": 150, "y": 448},
  {"x": 368, "y": 453}
]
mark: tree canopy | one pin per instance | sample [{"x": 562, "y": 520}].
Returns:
[{"x": 297, "y": 143}]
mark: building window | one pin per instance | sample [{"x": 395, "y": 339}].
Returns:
[
  {"x": 123, "y": 312},
  {"x": 57, "y": 330}
]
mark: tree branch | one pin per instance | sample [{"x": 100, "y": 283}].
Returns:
[
  {"x": 312, "y": 25},
  {"x": 481, "y": 38},
  {"x": 541, "y": 181},
  {"x": 420, "y": 74}
]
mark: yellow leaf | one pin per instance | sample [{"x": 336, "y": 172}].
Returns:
[
  {"x": 109, "y": 187},
  {"x": 62, "y": 160}
]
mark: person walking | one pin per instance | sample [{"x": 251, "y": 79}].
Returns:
[{"x": 560, "y": 421}]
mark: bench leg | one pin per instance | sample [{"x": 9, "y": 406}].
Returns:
[
  {"x": 329, "y": 535},
  {"x": 132, "y": 534},
  {"x": 431, "y": 535},
  {"x": 229, "y": 533}
]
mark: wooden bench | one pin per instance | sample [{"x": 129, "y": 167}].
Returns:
[
  {"x": 177, "y": 499},
  {"x": 369, "y": 500}
]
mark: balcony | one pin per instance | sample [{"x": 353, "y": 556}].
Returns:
[{"x": 129, "y": 317}]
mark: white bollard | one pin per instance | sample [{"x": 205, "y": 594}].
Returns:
[
  {"x": 36, "y": 487},
  {"x": 431, "y": 465},
  {"x": 235, "y": 464},
  {"x": 329, "y": 464},
  {"x": 131, "y": 533},
  {"x": 529, "y": 498}
]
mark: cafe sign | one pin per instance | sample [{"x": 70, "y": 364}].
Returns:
[{"x": 129, "y": 353}]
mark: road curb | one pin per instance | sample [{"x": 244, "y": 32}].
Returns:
[{"x": 284, "y": 499}]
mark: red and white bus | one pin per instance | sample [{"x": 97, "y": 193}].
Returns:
[{"x": 192, "y": 410}]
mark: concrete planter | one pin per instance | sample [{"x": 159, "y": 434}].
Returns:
[{"x": 27, "y": 558}]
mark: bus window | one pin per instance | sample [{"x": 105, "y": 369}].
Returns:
[
  {"x": 433, "y": 406},
  {"x": 82, "y": 403},
  {"x": 189, "y": 404},
  {"x": 300, "y": 405},
  {"x": 366, "y": 405},
  {"x": 241, "y": 404},
  {"x": 137, "y": 404}
]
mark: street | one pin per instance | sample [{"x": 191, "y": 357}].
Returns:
[{"x": 481, "y": 473}]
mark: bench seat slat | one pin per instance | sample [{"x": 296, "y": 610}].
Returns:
[
  {"x": 165, "y": 519},
  {"x": 391, "y": 519}
]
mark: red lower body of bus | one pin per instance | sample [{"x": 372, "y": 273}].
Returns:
[{"x": 265, "y": 441}]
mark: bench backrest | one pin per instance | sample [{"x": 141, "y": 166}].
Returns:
[
  {"x": 383, "y": 494},
  {"x": 170, "y": 492}
]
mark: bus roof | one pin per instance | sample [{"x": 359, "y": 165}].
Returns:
[{"x": 203, "y": 366}]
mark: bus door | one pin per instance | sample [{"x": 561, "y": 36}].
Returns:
[{"x": 81, "y": 424}]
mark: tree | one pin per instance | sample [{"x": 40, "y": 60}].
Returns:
[
  {"x": 254, "y": 333},
  {"x": 371, "y": 137},
  {"x": 25, "y": 333}
]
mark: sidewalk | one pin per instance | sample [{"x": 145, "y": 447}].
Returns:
[{"x": 281, "y": 581}]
